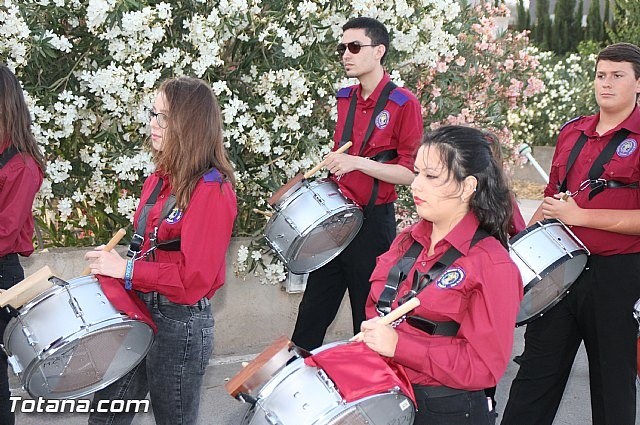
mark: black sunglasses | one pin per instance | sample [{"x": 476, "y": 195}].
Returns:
[{"x": 354, "y": 47}]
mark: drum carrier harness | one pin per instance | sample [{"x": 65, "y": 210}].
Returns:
[
  {"x": 7, "y": 155},
  {"x": 595, "y": 181},
  {"x": 399, "y": 272},
  {"x": 384, "y": 156},
  {"x": 137, "y": 240}
]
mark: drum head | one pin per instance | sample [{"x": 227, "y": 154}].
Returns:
[
  {"x": 304, "y": 395},
  {"x": 325, "y": 241},
  {"x": 540, "y": 296},
  {"x": 87, "y": 363}
]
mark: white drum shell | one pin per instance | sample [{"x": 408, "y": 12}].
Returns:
[
  {"x": 49, "y": 332},
  {"x": 313, "y": 223},
  {"x": 550, "y": 258},
  {"x": 304, "y": 395}
]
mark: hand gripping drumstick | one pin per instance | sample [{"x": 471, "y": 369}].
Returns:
[
  {"x": 278, "y": 194},
  {"x": 392, "y": 316},
  {"x": 108, "y": 247},
  {"x": 315, "y": 169}
]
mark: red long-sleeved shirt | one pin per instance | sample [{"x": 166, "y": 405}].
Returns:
[
  {"x": 623, "y": 167},
  {"x": 399, "y": 126},
  {"x": 197, "y": 270},
  {"x": 481, "y": 291},
  {"x": 20, "y": 180}
]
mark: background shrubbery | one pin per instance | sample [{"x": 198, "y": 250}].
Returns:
[{"x": 90, "y": 67}]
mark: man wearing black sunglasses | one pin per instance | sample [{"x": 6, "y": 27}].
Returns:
[{"x": 384, "y": 122}]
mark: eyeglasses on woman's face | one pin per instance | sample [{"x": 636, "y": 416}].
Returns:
[
  {"x": 353, "y": 46},
  {"x": 161, "y": 119}
]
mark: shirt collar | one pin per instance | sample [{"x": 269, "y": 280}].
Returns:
[
  {"x": 373, "y": 97},
  {"x": 631, "y": 123},
  {"x": 459, "y": 237}
]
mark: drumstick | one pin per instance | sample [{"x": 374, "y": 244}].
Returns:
[
  {"x": 264, "y": 213},
  {"x": 392, "y": 316},
  {"x": 565, "y": 196},
  {"x": 108, "y": 247},
  {"x": 315, "y": 169}
]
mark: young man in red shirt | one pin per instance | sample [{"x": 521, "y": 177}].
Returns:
[
  {"x": 597, "y": 161},
  {"x": 384, "y": 123}
]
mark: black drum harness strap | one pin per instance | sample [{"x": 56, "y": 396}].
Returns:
[
  {"x": 382, "y": 157},
  {"x": 138, "y": 238},
  {"x": 7, "y": 155},
  {"x": 595, "y": 181},
  {"x": 399, "y": 272}
]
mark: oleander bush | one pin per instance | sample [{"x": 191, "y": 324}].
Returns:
[
  {"x": 568, "y": 94},
  {"x": 89, "y": 69}
]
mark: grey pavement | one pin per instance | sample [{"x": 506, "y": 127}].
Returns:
[{"x": 219, "y": 408}]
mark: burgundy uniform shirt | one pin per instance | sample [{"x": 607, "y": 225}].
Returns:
[
  {"x": 20, "y": 180},
  {"x": 399, "y": 126},
  {"x": 197, "y": 270},
  {"x": 623, "y": 167},
  {"x": 481, "y": 291}
]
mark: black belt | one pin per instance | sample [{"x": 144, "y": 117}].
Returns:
[
  {"x": 159, "y": 299},
  {"x": 439, "y": 391},
  {"x": 614, "y": 184}
]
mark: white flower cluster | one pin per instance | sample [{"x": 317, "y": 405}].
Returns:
[
  {"x": 14, "y": 34},
  {"x": 273, "y": 67},
  {"x": 568, "y": 93}
]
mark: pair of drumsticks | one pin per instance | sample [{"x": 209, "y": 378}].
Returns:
[{"x": 298, "y": 178}]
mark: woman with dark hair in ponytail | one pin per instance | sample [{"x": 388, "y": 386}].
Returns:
[
  {"x": 458, "y": 341},
  {"x": 22, "y": 167}
]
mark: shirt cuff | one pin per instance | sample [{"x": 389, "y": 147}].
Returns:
[{"x": 411, "y": 353}]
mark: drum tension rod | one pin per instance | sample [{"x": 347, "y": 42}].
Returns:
[
  {"x": 57, "y": 281},
  {"x": 13, "y": 312},
  {"x": 246, "y": 398}
]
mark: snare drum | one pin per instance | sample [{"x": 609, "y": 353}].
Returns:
[
  {"x": 550, "y": 258},
  {"x": 300, "y": 394},
  {"x": 313, "y": 223},
  {"x": 69, "y": 341}
]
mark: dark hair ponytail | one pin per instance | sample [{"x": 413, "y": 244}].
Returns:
[{"x": 467, "y": 151}]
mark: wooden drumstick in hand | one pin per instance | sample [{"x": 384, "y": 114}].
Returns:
[
  {"x": 392, "y": 316},
  {"x": 315, "y": 169},
  {"x": 108, "y": 247}
]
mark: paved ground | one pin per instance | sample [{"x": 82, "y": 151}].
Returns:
[{"x": 218, "y": 408}]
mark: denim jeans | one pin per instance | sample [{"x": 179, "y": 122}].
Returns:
[
  {"x": 173, "y": 370},
  {"x": 467, "y": 408},
  {"x": 11, "y": 272}
]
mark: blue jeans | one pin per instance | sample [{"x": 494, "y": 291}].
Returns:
[
  {"x": 172, "y": 371},
  {"x": 11, "y": 272}
]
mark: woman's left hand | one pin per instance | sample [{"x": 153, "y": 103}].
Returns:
[
  {"x": 107, "y": 263},
  {"x": 380, "y": 338}
]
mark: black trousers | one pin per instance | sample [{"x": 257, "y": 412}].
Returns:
[
  {"x": 598, "y": 311},
  {"x": 350, "y": 270},
  {"x": 11, "y": 272},
  {"x": 462, "y": 408}
]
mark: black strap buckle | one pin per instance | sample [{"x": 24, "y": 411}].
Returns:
[{"x": 135, "y": 245}]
